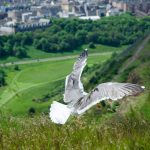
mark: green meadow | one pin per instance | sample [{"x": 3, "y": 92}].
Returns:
[{"x": 35, "y": 81}]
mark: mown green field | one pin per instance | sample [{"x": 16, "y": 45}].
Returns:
[
  {"x": 35, "y": 81},
  {"x": 36, "y": 54}
]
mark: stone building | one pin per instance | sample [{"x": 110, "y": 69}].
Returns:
[
  {"x": 11, "y": 29},
  {"x": 65, "y": 5},
  {"x": 25, "y": 16},
  {"x": 15, "y": 15}
]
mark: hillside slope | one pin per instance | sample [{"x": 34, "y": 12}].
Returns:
[
  {"x": 97, "y": 129},
  {"x": 126, "y": 66},
  {"x": 132, "y": 65}
]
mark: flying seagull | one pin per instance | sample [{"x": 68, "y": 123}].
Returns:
[{"x": 78, "y": 101}]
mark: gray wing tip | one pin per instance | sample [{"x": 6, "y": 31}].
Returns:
[
  {"x": 136, "y": 89},
  {"x": 84, "y": 54}
]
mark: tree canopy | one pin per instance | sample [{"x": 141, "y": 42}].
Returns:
[{"x": 68, "y": 34}]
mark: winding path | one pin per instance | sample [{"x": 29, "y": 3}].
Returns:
[{"x": 48, "y": 59}]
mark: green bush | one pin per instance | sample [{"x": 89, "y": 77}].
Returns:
[
  {"x": 2, "y": 78},
  {"x": 91, "y": 45}
]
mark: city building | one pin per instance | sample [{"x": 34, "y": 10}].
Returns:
[
  {"x": 3, "y": 15},
  {"x": 27, "y": 15},
  {"x": 15, "y": 15}
]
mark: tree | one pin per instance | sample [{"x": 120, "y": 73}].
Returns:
[
  {"x": 45, "y": 45},
  {"x": 37, "y": 44},
  {"x": 70, "y": 39},
  {"x": 19, "y": 51},
  {"x": 71, "y": 26},
  {"x": 54, "y": 29},
  {"x": 2, "y": 52},
  {"x": 81, "y": 36},
  {"x": 92, "y": 37},
  {"x": 8, "y": 48},
  {"x": 64, "y": 46},
  {"x": 68, "y": 34},
  {"x": 2, "y": 78},
  {"x": 27, "y": 39}
]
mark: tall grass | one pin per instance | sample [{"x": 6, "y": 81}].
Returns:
[{"x": 119, "y": 132}]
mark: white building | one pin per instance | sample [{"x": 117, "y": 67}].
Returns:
[
  {"x": 113, "y": 12},
  {"x": 25, "y": 16},
  {"x": 4, "y": 30}
]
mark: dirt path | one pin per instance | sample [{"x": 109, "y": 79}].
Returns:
[
  {"x": 135, "y": 56},
  {"x": 48, "y": 59}
]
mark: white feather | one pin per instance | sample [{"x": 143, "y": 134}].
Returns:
[
  {"x": 59, "y": 113},
  {"x": 143, "y": 87}
]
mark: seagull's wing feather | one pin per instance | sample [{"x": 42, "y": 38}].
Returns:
[
  {"x": 104, "y": 91},
  {"x": 73, "y": 87}
]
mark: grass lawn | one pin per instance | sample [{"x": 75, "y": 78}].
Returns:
[{"x": 36, "y": 80}]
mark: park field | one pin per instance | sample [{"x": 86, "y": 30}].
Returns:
[
  {"x": 33, "y": 53},
  {"x": 36, "y": 85}
]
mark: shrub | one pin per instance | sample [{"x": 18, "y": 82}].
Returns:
[
  {"x": 16, "y": 67},
  {"x": 2, "y": 78},
  {"x": 31, "y": 111},
  {"x": 91, "y": 45}
]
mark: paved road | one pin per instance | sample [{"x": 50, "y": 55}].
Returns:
[{"x": 48, "y": 59}]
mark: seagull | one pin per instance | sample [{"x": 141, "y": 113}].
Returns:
[{"x": 78, "y": 101}]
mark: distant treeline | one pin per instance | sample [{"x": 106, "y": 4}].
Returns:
[{"x": 68, "y": 34}]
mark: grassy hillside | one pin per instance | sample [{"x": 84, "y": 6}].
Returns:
[
  {"x": 126, "y": 129},
  {"x": 119, "y": 133},
  {"x": 131, "y": 65}
]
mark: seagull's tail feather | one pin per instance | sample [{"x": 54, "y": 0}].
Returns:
[{"x": 59, "y": 113}]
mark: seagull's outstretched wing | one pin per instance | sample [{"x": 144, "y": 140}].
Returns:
[
  {"x": 73, "y": 86},
  {"x": 104, "y": 91}
]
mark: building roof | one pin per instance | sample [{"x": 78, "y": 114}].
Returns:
[{"x": 90, "y": 17}]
